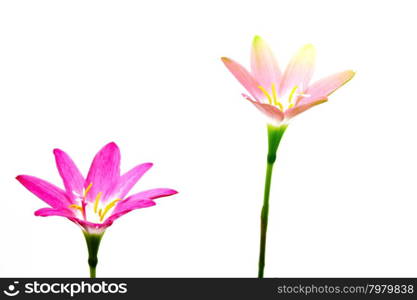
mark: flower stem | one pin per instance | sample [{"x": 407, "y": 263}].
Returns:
[
  {"x": 93, "y": 243},
  {"x": 275, "y": 134}
]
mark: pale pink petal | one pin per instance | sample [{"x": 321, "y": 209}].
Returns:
[
  {"x": 126, "y": 207},
  {"x": 299, "y": 70},
  {"x": 104, "y": 172},
  {"x": 270, "y": 111},
  {"x": 44, "y": 190},
  {"x": 264, "y": 66},
  {"x": 324, "y": 87},
  {"x": 292, "y": 112},
  {"x": 244, "y": 77},
  {"x": 129, "y": 179},
  {"x": 71, "y": 176},
  {"x": 47, "y": 211}
]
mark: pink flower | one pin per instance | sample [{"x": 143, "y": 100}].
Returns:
[
  {"x": 95, "y": 202},
  {"x": 282, "y": 96}
]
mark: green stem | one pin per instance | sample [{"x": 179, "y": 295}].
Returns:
[
  {"x": 275, "y": 134},
  {"x": 93, "y": 243}
]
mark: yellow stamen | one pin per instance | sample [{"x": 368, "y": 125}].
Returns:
[
  {"x": 108, "y": 207},
  {"x": 96, "y": 201},
  {"x": 266, "y": 94},
  {"x": 292, "y": 93},
  {"x": 87, "y": 189},
  {"x": 291, "y": 105},
  {"x": 76, "y": 207},
  {"x": 274, "y": 94},
  {"x": 100, "y": 212}
]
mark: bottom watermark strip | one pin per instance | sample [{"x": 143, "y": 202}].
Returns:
[{"x": 217, "y": 288}]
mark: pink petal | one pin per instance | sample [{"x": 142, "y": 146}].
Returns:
[
  {"x": 89, "y": 226},
  {"x": 324, "y": 87},
  {"x": 264, "y": 65},
  {"x": 142, "y": 198},
  {"x": 71, "y": 176},
  {"x": 104, "y": 172},
  {"x": 86, "y": 225},
  {"x": 299, "y": 70},
  {"x": 244, "y": 77},
  {"x": 44, "y": 190},
  {"x": 292, "y": 112},
  {"x": 47, "y": 211},
  {"x": 151, "y": 194},
  {"x": 129, "y": 179},
  {"x": 124, "y": 207},
  {"x": 133, "y": 204},
  {"x": 270, "y": 111}
]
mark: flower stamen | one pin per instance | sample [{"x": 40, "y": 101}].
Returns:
[
  {"x": 108, "y": 207},
  {"x": 273, "y": 100},
  {"x": 87, "y": 189},
  {"x": 76, "y": 207},
  {"x": 266, "y": 94},
  {"x": 292, "y": 94},
  {"x": 274, "y": 94},
  {"x": 96, "y": 201}
]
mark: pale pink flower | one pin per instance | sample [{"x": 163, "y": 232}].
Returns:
[{"x": 281, "y": 96}]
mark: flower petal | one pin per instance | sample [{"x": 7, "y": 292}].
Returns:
[
  {"x": 85, "y": 225},
  {"x": 264, "y": 66},
  {"x": 44, "y": 190},
  {"x": 129, "y": 179},
  {"x": 151, "y": 194},
  {"x": 142, "y": 198},
  {"x": 47, "y": 211},
  {"x": 126, "y": 207},
  {"x": 90, "y": 227},
  {"x": 299, "y": 70},
  {"x": 292, "y": 112},
  {"x": 324, "y": 87},
  {"x": 71, "y": 176},
  {"x": 270, "y": 111},
  {"x": 244, "y": 77},
  {"x": 104, "y": 172}
]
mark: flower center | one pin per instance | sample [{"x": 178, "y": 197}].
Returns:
[
  {"x": 291, "y": 97},
  {"x": 97, "y": 212}
]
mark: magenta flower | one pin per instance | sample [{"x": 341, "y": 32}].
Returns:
[
  {"x": 95, "y": 202},
  {"x": 282, "y": 96}
]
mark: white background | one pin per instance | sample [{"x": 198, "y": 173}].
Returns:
[{"x": 147, "y": 75}]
